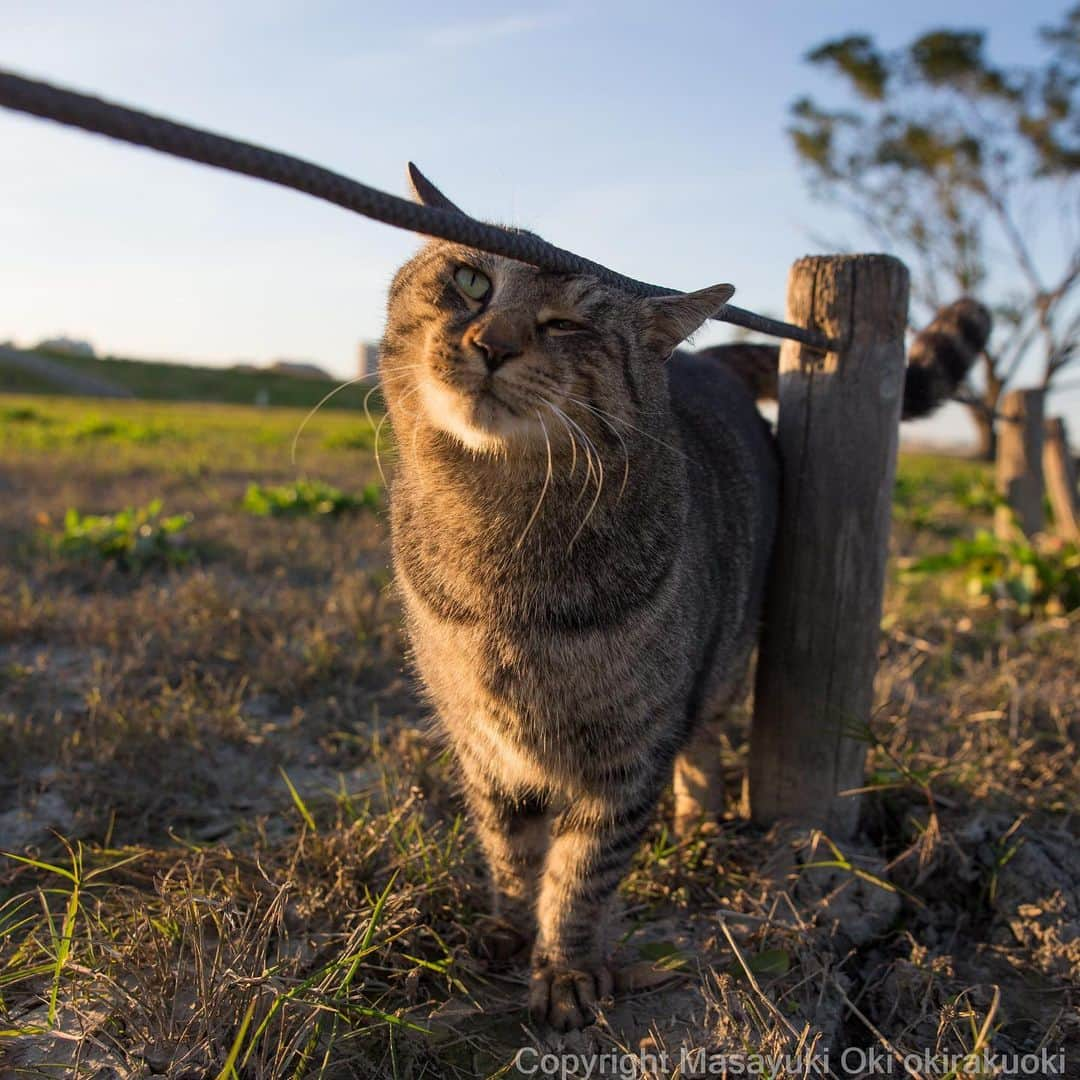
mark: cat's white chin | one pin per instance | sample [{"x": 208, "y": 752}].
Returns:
[{"x": 479, "y": 423}]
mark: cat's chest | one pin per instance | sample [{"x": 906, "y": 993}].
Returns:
[
  {"x": 590, "y": 669},
  {"x": 542, "y": 590}
]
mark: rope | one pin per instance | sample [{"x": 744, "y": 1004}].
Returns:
[{"x": 131, "y": 125}]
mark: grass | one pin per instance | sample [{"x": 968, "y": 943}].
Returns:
[{"x": 235, "y": 851}]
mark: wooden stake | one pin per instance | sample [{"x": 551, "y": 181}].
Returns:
[
  {"x": 1019, "y": 469},
  {"x": 1060, "y": 472},
  {"x": 838, "y": 430}
]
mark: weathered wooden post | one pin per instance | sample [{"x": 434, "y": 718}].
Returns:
[
  {"x": 1019, "y": 469},
  {"x": 838, "y": 430},
  {"x": 1060, "y": 472}
]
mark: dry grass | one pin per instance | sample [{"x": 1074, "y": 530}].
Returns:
[{"x": 239, "y": 854}]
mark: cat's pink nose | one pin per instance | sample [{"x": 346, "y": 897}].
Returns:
[{"x": 499, "y": 338}]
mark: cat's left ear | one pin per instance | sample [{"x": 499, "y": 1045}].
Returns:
[
  {"x": 672, "y": 319},
  {"x": 427, "y": 194}
]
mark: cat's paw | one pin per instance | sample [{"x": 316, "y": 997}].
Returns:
[
  {"x": 499, "y": 943},
  {"x": 566, "y": 998}
]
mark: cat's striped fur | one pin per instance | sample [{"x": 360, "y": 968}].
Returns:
[{"x": 581, "y": 534}]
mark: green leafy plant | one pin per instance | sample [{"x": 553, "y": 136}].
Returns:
[
  {"x": 977, "y": 495},
  {"x": 308, "y": 498},
  {"x": 134, "y": 538},
  {"x": 1035, "y": 577}
]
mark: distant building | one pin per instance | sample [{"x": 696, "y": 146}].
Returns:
[
  {"x": 66, "y": 345},
  {"x": 301, "y": 368},
  {"x": 367, "y": 356}
]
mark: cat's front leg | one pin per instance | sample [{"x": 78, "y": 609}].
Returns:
[
  {"x": 592, "y": 844},
  {"x": 513, "y": 830}
]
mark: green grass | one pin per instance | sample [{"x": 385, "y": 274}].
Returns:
[
  {"x": 235, "y": 849},
  {"x": 180, "y": 435}
]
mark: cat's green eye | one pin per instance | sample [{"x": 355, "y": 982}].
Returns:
[{"x": 472, "y": 283}]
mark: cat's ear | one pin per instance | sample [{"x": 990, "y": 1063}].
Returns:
[
  {"x": 427, "y": 194},
  {"x": 672, "y": 319}
]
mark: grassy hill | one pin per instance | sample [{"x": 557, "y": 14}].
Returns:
[
  {"x": 161, "y": 381},
  {"x": 14, "y": 381}
]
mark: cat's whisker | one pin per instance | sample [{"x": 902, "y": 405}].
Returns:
[
  {"x": 561, "y": 417},
  {"x": 378, "y": 431},
  {"x": 322, "y": 401},
  {"x": 592, "y": 505},
  {"x": 367, "y": 412},
  {"x": 625, "y": 452},
  {"x": 590, "y": 449},
  {"x": 569, "y": 424},
  {"x": 626, "y": 423},
  {"x": 400, "y": 374},
  {"x": 599, "y": 480},
  {"x": 398, "y": 370},
  {"x": 544, "y": 489},
  {"x": 381, "y": 378}
]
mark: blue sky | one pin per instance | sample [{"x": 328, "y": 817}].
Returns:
[{"x": 648, "y": 136}]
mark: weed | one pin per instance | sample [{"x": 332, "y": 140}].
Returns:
[
  {"x": 308, "y": 498},
  {"x": 134, "y": 539},
  {"x": 1040, "y": 576}
]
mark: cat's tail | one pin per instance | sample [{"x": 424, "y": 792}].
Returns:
[
  {"x": 942, "y": 355},
  {"x": 940, "y": 358}
]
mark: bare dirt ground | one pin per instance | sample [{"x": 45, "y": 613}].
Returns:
[{"x": 237, "y": 851}]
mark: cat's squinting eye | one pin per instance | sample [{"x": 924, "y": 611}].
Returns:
[
  {"x": 561, "y": 326},
  {"x": 472, "y": 283}
]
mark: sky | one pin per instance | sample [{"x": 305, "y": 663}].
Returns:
[{"x": 650, "y": 137}]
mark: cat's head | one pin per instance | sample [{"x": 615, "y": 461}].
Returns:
[{"x": 492, "y": 351}]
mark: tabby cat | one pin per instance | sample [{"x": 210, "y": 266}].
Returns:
[{"x": 582, "y": 518}]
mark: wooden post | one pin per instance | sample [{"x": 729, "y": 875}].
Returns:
[
  {"x": 1019, "y": 469},
  {"x": 1060, "y": 471},
  {"x": 838, "y": 430}
]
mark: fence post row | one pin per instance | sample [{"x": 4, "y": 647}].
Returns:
[{"x": 838, "y": 430}]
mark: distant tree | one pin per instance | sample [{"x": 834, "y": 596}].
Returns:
[{"x": 964, "y": 169}]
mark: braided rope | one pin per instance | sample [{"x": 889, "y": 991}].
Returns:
[{"x": 133, "y": 126}]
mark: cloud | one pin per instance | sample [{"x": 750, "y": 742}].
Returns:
[
  {"x": 454, "y": 38},
  {"x": 465, "y": 35}
]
